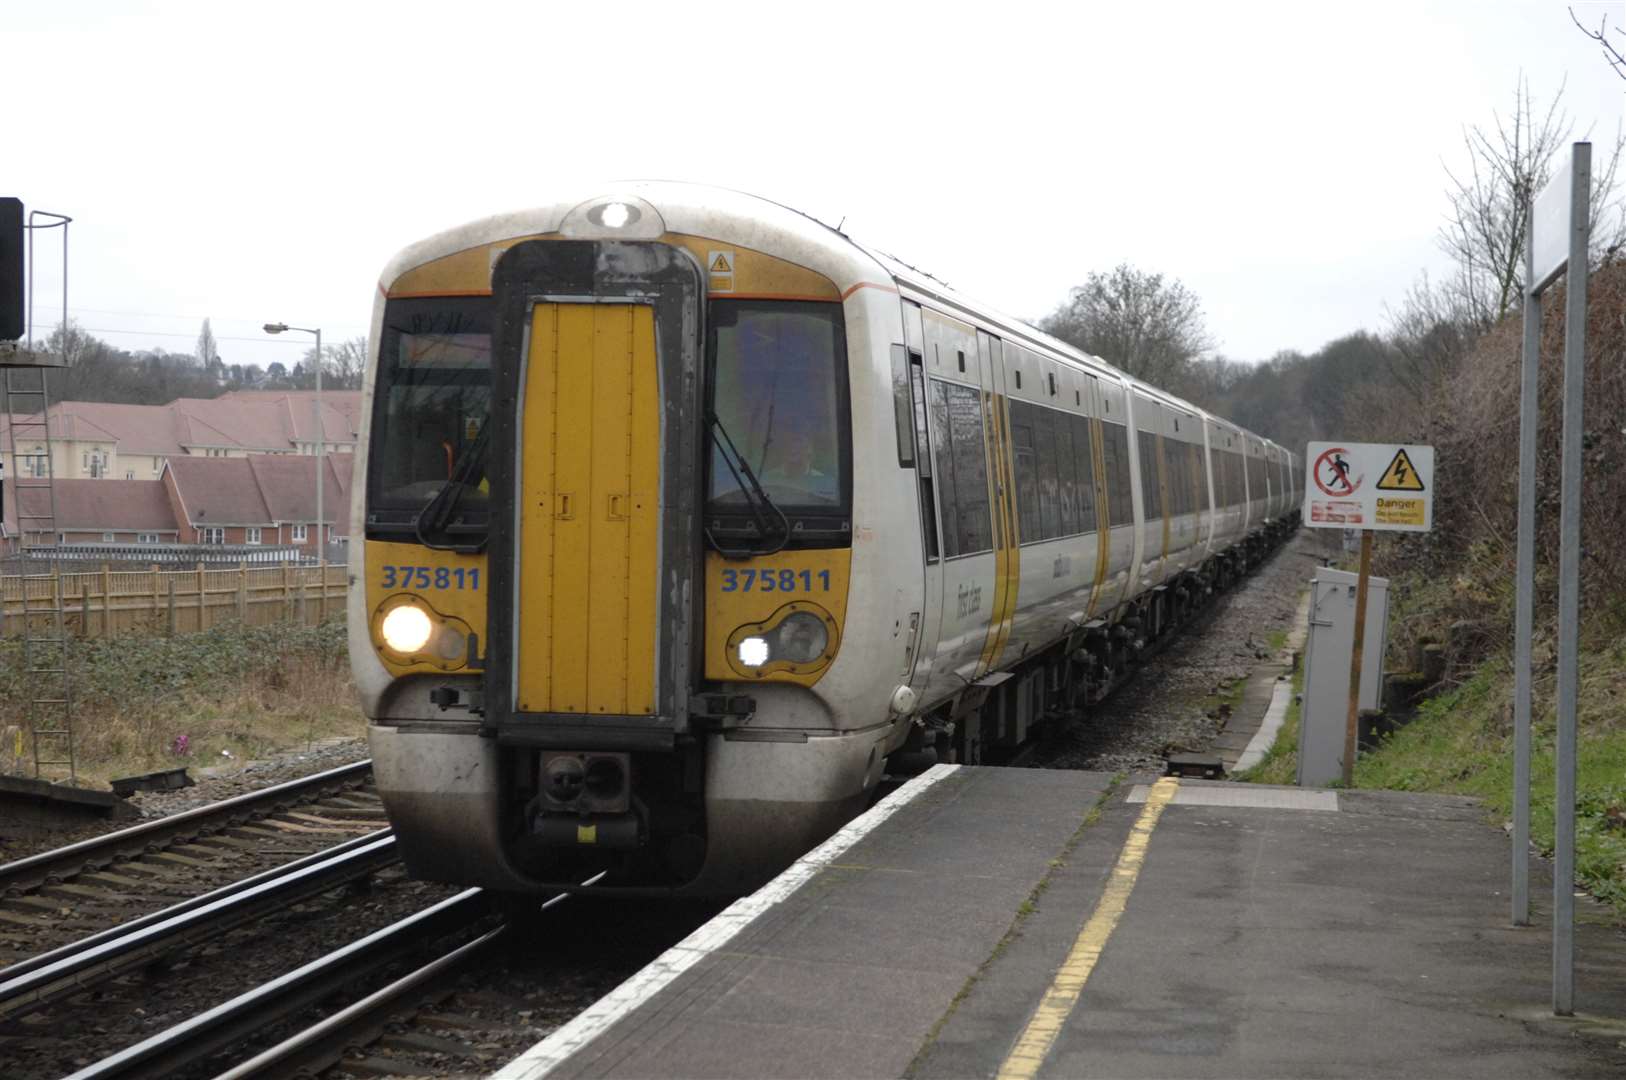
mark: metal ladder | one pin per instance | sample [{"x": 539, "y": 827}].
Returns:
[{"x": 47, "y": 662}]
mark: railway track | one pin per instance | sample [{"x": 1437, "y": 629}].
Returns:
[
  {"x": 58, "y": 897},
  {"x": 188, "y": 1046},
  {"x": 155, "y": 939},
  {"x": 458, "y": 988}
]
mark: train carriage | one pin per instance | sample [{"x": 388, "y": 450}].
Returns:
[{"x": 686, "y": 517}]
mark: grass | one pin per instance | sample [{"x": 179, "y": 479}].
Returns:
[
  {"x": 1461, "y": 743},
  {"x": 151, "y": 702},
  {"x": 1280, "y": 763}
]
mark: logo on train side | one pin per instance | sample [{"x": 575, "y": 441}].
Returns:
[{"x": 970, "y": 599}]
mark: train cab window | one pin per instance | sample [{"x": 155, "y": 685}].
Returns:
[
  {"x": 778, "y": 388},
  {"x": 430, "y": 408}
]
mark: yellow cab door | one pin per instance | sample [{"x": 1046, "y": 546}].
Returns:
[{"x": 588, "y": 553}]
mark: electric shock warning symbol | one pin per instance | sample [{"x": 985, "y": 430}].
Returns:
[
  {"x": 1401, "y": 475},
  {"x": 722, "y": 262},
  {"x": 1331, "y": 473}
]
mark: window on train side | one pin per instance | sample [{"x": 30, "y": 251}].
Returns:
[
  {"x": 961, "y": 467},
  {"x": 432, "y": 399},
  {"x": 1151, "y": 494},
  {"x": 1050, "y": 443},
  {"x": 778, "y": 385},
  {"x": 1115, "y": 455},
  {"x": 1023, "y": 443}
]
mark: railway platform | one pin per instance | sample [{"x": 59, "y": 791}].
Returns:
[{"x": 1021, "y": 923}]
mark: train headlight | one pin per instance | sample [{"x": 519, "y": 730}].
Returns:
[
  {"x": 799, "y": 639},
  {"x": 753, "y": 652},
  {"x": 407, "y": 628}
]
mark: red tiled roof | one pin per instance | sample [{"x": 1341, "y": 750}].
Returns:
[
  {"x": 247, "y": 420},
  {"x": 100, "y": 505},
  {"x": 261, "y": 489}
]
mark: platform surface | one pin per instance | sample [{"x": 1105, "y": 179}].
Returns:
[{"x": 1267, "y": 932}]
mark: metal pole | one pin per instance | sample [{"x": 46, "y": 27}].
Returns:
[
  {"x": 1524, "y": 611},
  {"x": 1569, "y": 587},
  {"x": 321, "y": 450},
  {"x": 1358, "y": 650}
]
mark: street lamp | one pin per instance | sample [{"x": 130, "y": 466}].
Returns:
[{"x": 321, "y": 437}]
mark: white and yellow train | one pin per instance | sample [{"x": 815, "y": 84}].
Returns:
[{"x": 685, "y": 514}]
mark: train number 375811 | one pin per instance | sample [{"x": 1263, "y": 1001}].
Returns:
[
  {"x": 431, "y": 577},
  {"x": 787, "y": 580}
]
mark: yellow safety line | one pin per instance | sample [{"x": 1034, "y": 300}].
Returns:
[{"x": 1036, "y": 1041}]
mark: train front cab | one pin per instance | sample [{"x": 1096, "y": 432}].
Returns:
[{"x": 553, "y": 469}]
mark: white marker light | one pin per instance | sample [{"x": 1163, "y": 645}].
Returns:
[
  {"x": 406, "y": 629},
  {"x": 753, "y": 652},
  {"x": 615, "y": 215}
]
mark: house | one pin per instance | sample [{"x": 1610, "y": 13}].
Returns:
[
  {"x": 93, "y": 512},
  {"x": 258, "y": 499},
  {"x": 110, "y": 440}
]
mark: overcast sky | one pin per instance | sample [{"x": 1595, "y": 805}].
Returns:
[{"x": 257, "y": 163}]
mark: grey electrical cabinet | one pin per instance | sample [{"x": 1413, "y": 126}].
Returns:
[{"x": 1327, "y": 655}]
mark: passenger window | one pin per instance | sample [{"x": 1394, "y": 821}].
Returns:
[
  {"x": 1084, "y": 459},
  {"x": 1115, "y": 445},
  {"x": 1049, "y": 487},
  {"x": 1027, "y": 470},
  {"x": 1066, "y": 474},
  {"x": 962, "y": 468},
  {"x": 1150, "y": 493}
]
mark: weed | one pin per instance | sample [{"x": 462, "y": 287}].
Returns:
[{"x": 151, "y": 702}]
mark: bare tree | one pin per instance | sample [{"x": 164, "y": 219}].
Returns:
[
  {"x": 347, "y": 360},
  {"x": 207, "y": 352},
  {"x": 1601, "y": 36},
  {"x": 1486, "y": 228},
  {"x": 1136, "y": 321}
]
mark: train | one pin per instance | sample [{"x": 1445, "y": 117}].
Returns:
[{"x": 688, "y": 518}]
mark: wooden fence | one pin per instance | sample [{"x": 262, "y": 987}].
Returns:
[{"x": 111, "y": 603}]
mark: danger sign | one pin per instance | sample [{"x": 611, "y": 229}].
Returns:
[
  {"x": 1332, "y": 473},
  {"x": 1369, "y": 486}
]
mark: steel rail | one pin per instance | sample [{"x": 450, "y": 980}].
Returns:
[
  {"x": 75, "y": 967},
  {"x": 100, "y": 851},
  {"x": 323, "y": 1044},
  {"x": 23, "y": 967},
  {"x": 196, "y": 1040}
]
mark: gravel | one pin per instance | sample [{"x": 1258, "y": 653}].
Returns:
[
  {"x": 1171, "y": 704},
  {"x": 215, "y": 783}
]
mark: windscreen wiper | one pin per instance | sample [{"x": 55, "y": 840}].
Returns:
[
  {"x": 756, "y": 498},
  {"x": 437, "y": 513}
]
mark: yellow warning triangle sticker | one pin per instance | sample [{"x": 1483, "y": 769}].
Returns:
[
  {"x": 720, "y": 265},
  {"x": 1401, "y": 475}
]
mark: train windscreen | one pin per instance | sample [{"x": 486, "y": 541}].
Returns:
[
  {"x": 778, "y": 390},
  {"x": 432, "y": 397}
]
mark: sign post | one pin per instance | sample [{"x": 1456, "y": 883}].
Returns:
[
  {"x": 1373, "y": 487},
  {"x": 1560, "y": 228}
]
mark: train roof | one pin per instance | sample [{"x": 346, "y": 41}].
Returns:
[{"x": 751, "y": 221}]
